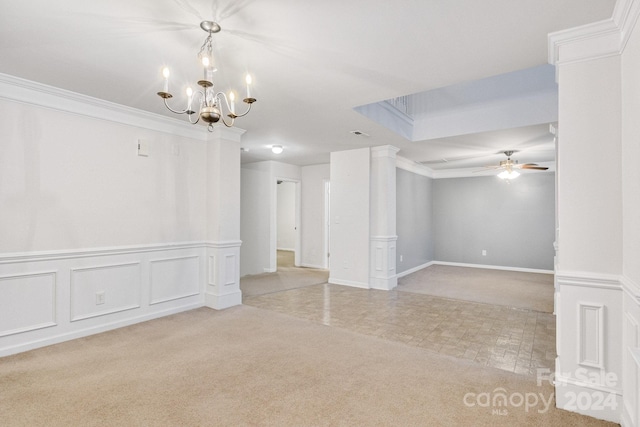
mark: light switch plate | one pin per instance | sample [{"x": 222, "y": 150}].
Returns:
[{"x": 143, "y": 148}]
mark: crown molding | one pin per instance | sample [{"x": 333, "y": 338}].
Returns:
[
  {"x": 411, "y": 166},
  {"x": 597, "y": 40},
  {"x": 29, "y": 92}
]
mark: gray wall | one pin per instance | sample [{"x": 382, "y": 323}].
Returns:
[
  {"x": 514, "y": 222},
  {"x": 413, "y": 220}
]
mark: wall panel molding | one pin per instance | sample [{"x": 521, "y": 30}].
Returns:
[
  {"x": 28, "y": 302},
  {"x": 174, "y": 278},
  {"x": 51, "y": 297},
  {"x": 118, "y": 282},
  {"x": 591, "y": 335}
]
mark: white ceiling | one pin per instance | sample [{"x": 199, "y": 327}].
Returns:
[{"x": 312, "y": 62}]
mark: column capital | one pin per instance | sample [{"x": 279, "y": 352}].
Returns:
[{"x": 384, "y": 151}]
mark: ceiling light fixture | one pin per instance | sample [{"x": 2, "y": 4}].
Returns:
[
  {"x": 509, "y": 174},
  {"x": 277, "y": 149},
  {"x": 210, "y": 103}
]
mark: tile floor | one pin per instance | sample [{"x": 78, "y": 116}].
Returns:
[{"x": 515, "y": 340}]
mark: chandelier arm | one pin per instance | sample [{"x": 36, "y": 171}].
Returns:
[
  {"x": 245, "y": 113},
  {"x": 166, "y": 104},
  {"x": 225, "y": 122}
]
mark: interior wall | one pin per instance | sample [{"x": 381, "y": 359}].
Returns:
[
  {"x": 94, "y": 236},
  {"x": 414, "y": 199},
  {"x": 254, "y": 218},
  {"x": 258, "y": 216},
  {"x": 630, "y": 92},
  {"x": 350, "y": 203},
  {"x": 286, "y": 213},
  {"x": 312, "y": 221},
  {"x": 68, "y": 182},
  {"x": 513, "y": 222}
]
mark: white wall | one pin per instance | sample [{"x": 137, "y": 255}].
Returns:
[
  {"x": 69, "y": 182},
  {"x": 631, "y": 229},
  {"x": 94, "y": 236},
  {"x": 286, "y": 215},
  {"x": 313, "y": 221},
  {"x": 597, "y": 293},
  {"x": 258, "y": 229},
  {"x": 350, "y": 203}
]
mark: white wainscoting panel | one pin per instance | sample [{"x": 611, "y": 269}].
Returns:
[
  {"x": 118, "y": 283},
  {"x": 27, "y": 302},
  {"x": 55, "y": 296},
  {"x": 174, "y": 278},
  {"x": 590, "y": 337},
  {"x": 631, "y": 354},
  {"x": 589, "y": 318}
]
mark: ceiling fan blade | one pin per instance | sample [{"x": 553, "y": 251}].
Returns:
[{"x": 539, "y": 168}]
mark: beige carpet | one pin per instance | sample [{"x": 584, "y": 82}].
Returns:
[
  {"x": 532, "y": 291},
  {"x": 246, "y": 367},
  {"x": 287, "y": 277}
]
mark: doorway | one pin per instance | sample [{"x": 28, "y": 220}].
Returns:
[{"x": 287, "y": 224}]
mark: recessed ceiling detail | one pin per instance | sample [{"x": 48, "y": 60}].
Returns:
[{"x": 520, "y": 98}]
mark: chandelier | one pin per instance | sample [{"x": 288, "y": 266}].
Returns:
[{"x": 210, "y": 104}]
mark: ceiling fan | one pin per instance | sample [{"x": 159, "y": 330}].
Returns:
[{"x": 509, "y": 167}]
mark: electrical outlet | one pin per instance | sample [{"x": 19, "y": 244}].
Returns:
[
  {"x": 484, "y": 252},
  {"x": 99, "y": 298}
]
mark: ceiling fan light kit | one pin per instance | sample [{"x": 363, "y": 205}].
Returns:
[
  {"x": 509, "y": 165},
  {"x": 210, "y": 103}
]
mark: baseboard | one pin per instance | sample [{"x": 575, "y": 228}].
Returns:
[
  {"x": 414, "y": 269},
  {"x": 286, "y": 249},
  {"x": 493, "y": 267},
  {"x": 56, "y": 339},
  {"x": 270, "y": 270},
  {"x": 317, "y": 267},
  {"x": 351, "y": 283},
  {"x": 220, "y": 302}
]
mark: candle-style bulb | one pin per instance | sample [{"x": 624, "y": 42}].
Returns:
[
  {"x": 165, "y": 73},
  {"x": 232, "y": 98},
  {"x": 248, "y": 80}
]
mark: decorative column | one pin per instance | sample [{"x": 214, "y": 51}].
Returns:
[
  {"x": 223, "y": 219},
  {"x": 382, "y": 254}
]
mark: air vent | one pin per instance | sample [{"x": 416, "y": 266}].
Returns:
[{"x": 359, "y": 133}]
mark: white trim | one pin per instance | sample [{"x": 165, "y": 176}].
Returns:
[
  {"x": 478, "y": 172},
  {"x": 414, "y": 269},
  {"x": 286, "y": 250},
  {"x": 414, "y": 167},
  {"x": 220, "y": 302},
  {"x": 348, "y": 283},
  {"x": 589, "y": 280},
  {"x": 384, "y": 151},
  {"x": 493, "y": 267},
  {"x": 6, "y": 351},
  {"x": 583, "y": 334},
  {"x": 384, "y": 238},
  {"x": 223, "y": 244},
  {"x": 30, "y": 92},
  {"x": 11, "y": 258},
  {"x": 631, "y": 288},
  {"x": 317, "y": 267},
  {"x": 600, "y": 39}
]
